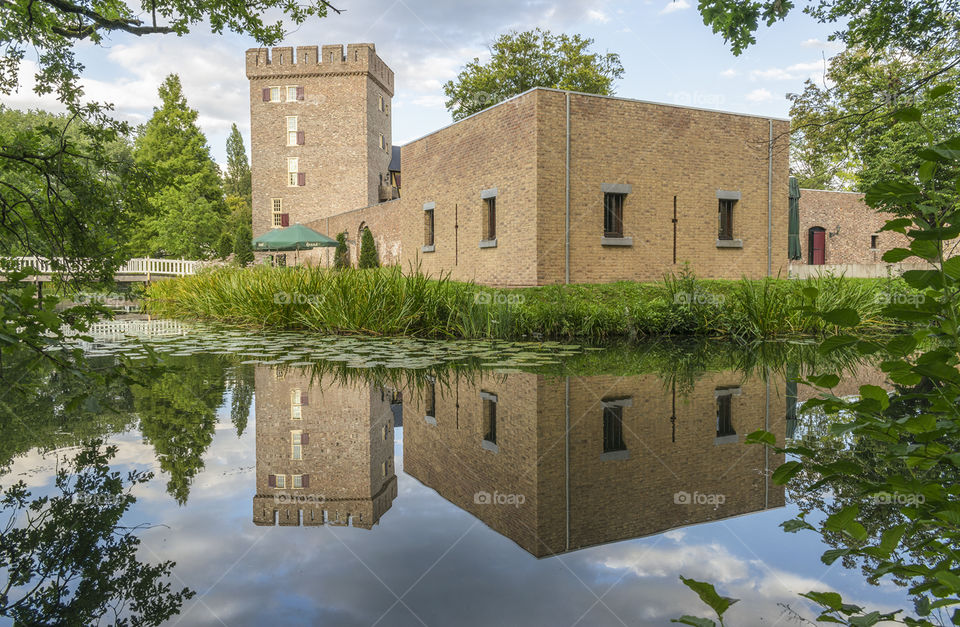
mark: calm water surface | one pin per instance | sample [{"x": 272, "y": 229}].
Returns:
[{"x": 573, "y": 490}]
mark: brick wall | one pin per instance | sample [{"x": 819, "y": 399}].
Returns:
[
  {"x": 344, "y": 455},
  {"x": 610, "y": 499},
  {"x": 849, "y": 223}
]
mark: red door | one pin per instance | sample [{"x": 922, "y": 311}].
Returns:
[{"x": 817, "y": 246}]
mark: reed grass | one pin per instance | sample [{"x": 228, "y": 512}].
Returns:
[{"x": 387, "y": 301}]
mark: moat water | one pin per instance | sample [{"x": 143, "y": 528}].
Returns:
[{"x": 300, "y": 480}]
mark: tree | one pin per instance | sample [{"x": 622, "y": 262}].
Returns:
[
  {"x": 237, "y": 180},
  {"x": 845, "y": 135},
  {"x": 243, "y": 246},
  {"x": 224, "y": 245},
  {"x": 522, "y": 61},
  {"x": 368, "y": 251},
  {"x": 341, "y": 255},
  {"x": 187, "y": 206}
]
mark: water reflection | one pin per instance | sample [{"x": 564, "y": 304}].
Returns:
[{"x": 324, "y": 450}]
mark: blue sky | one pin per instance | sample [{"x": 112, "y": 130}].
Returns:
[{"x": 667, "y": 53}]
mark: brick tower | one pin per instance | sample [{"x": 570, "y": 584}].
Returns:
[{"x": 320, "y": 132}]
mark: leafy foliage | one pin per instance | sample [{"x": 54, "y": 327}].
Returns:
[
  {"x": 237, "y": 181},
  {"x": 243, "y": 245},
  {"x": 341, "y": 254},
  {"x": 524, "y": 60}
]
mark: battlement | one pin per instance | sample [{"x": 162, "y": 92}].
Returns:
[
  {"x": 311, "y": 511},
  {"x": 287, "y": 61}
]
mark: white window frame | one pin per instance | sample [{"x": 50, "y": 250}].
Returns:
[
  {"x": 276, "y": 210},
  {"x": 294, "y": 480},
  {"x": 294, "y": 88},
  {"x": 296, "y": 445},
  {"x": 281, "y": 481},
  {"x": 380, "y": 102},
  {"x": 293, "y": 168},
  {"x": 296, "y": 409},
  {"x": 383, "y": 141},
  {"x": 292, "y": 127},
  {"x": 275, "y": 91}
]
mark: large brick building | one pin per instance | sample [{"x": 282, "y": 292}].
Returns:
[
  {"x": 546, "y": 187},
  {"x": 562, "y": 463}
]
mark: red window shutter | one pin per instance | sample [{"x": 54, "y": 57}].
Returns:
[
  {"x": 301, "y": 178},
  {"x": 299, "y": 93},
  {"x": 272, "y": 481},
  {"x": 304, "y": 438},
  {"x": 304, "y": 399},
  {"x": 306, "y": 481},
  {"x": 284, "y": 219},
  {"x": 266, "y": 94},
  {"x": 300, "y": 138}
]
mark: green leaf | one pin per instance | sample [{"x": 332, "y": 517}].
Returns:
[
  {"x": 940, "y": 90},
  {"x": 829, "y": 600},
  {"x": 761, "y": 437},
  {"x": 951, "y": 267},
  {"x": 902, "y": 345},
  {"x": 829, "y": 557},
  {"x": 696, "y": 621},
  {"x": 907, "y": 114},
  {"x": 896, "y": 255},
  {"x": 785, "y": 472},
  {"x": 875, "y": 393},
  {"x": 897, "y": 224},
  {"x": 844, "y": 317},
  {"x": 836, "y": 342},
  {"x": 922, "y": 279},
  {"x": 824, "y": 380},
  {"x": 708, "y": 595}
]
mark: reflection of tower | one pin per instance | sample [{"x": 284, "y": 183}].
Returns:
[
  {"x": 499, "y": 448},
  {"x": 324, "y": 451}
]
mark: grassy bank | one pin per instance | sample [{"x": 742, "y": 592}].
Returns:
[{"x": 388, "y": 302}]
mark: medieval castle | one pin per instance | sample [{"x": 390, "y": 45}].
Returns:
[{"x": 546, "y": 187}]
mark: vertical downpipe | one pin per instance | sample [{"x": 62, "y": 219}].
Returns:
[
  {"x": 567, "y": 201},
  {"x": 766, "y": 449},
  {"x": 770, "y": 202}
]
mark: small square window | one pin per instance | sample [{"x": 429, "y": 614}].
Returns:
[
  {"x": 292, "y": 93},
  {"x": 281, "y": 482},
  {"x": 274, "y": 94},
  {"x": 725, "y": 219},
  {"x": 296, "y": 482},
  {"x": 613, "y": 214}
]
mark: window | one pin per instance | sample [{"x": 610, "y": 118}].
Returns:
[
  {"x": 724, "y": 416},
  {"x": 296, "y": 407},
  {"x": 380, "y": 102},
  {"x": 490, "y": 218},
  {"x": 874, "y": 242},
  {"x": 725, "y": 219},
  {"x": 296, "y": 445},
  {"x": 431, "y": 399},
  {"x": 280, "y": 481},
  {"x": 386, "y": 432},
  {"x": 428, "y": 227},
  {"x": 274, "y": 94},
  {"x": 383, "y": 142},
  {"x": 613, "y": 214},
  {"x": 613, "y": 428},
  {"x": 292, "y": 93},
  {"x": 293, "y": 169},
  {"x": 296, "y": 482},
  {"x": 489, "y": 417},
  {"x": 292, "y": 131},
  {"x": 384, "y": 468},
  {"x": 277, "y": 210}
]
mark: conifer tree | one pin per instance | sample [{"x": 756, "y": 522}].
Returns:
[
  {"x": 368, "y": 251},
  {"x": 341, "y": 256},
  {"x": 237, "y": 180}
]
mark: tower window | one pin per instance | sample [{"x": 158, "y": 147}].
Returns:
[
  {"x": 490, "y": 218},
  {"x": 380, "y": 104},
  {"x": 293, "y": 168},
  {"x": 613, "y": 429},
  {"x": 277, "y": 211},
  {"x": 383, "y": 142},
  {"x": 280, "y": 481},
  {"x": 489, "y": 417},
  {"x": 874, "y": 242},
  {"x": 292, "y": 130},
  {"x": 292, "y": 93},
  {"x": 428, "y": 230},
  {"x": 274, "y": 94},
  {"x": 296, "y": 445},
  {"x": 725, "y": 416},
  {"x": 296, "y": 404}
]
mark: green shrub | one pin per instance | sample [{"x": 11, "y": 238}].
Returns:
[
  {"x": 341, "y": 255},
  {"x": 224, "y": 245},
  {"x": 243, "y": 246},
  {"x": 368, "y": 251}
]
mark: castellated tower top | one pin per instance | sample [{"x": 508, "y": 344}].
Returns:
[{"x": 289, "y": 62}]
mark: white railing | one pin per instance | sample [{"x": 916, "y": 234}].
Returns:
[{"x": 145, "y": 266}]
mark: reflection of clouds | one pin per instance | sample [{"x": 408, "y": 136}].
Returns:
[{"x": 249, "y": 575}]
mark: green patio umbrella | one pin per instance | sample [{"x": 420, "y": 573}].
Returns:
[
  {"x": 793, "y": 233},
  {"x": 296, "y": 237}
]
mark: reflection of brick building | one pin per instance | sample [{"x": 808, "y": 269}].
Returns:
[
  {"x": 324, "y": 451},
  {"x": 631, "y": 454}
]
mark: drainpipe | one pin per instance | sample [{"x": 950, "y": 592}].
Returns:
[
  {"x": 566, "y": 393},
  {"x": 567, "y": 191},
  {"x": 770, "y": 202}
]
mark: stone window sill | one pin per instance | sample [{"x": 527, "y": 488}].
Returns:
[
  {"x": 729, "y": 243},
  {"x": 427, "y": 249},
  {"x": 616, "y": 241},
  {"x": 726, "y": 439},
  {"x": 490, "y": 446},
  {"x": 430, "y": 420},
  {"x": 488, "y": 243},
  {"x": 615, "y": 456}
]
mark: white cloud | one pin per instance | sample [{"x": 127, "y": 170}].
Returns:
[
  {"x": 833, "y": 46},
  {"x": 760, "y": 95},
  {"x": 797, "y": 71},
  {"x": 729, "y": 73},
  {"x": 675, "y": 5},
  {"x": 594, "y": 15}
]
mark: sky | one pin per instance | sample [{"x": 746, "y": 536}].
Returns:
[{"x": 667, "y": 53}]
